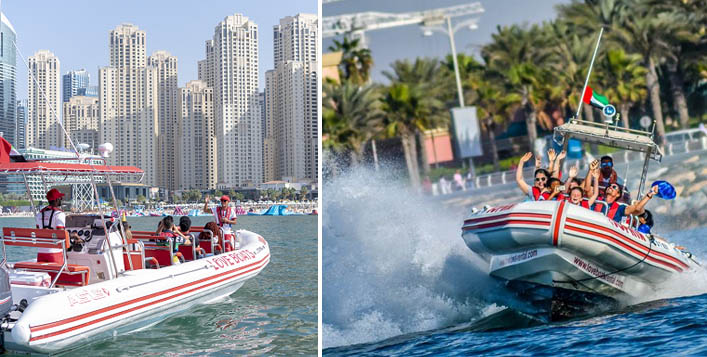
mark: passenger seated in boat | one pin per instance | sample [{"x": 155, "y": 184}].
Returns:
[
  {"x": 555, "y": 189},
  {"x": 537, "y": 192},
  {"x": 184, "y": 228},
  {"x": 646, "y": 222},
  {"x": 169, "y": 232},
  {"x": 212, "y": 232},
  {"x": 52, "y": 217},
  {"x": 617, "y": 211},
  {"x": 169, "y": 222},
  {"x": 577, "y": 193}
]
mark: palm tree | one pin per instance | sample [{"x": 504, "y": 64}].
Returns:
[
  {"x": 688, "y": 45},
  {"x": 356, "y": 62},
  {"x": 624, "y": 80},
  {"x": 495, "y": 106},
  {"x": 423, "y": 74},
  {"x": 350, "y": 116},
  {"x": 408, "y": 110},
  {"x": 523, "y": 58}
]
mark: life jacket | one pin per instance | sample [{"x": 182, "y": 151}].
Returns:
[
  {"x": 221, "y": 214},
  {"x": 538, "y": 195},
  {"x": 51, "y": 217},
  {"x": 613, "y": 208}
]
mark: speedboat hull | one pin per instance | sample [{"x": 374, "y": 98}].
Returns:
[
  {"x": 563, "y": 247},
  {"x": 66, "y": 319}
]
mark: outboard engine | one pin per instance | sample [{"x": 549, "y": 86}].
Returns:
[{"x": 5, "y": 292}]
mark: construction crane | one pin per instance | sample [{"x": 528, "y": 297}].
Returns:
[{"x": 359, "y": 23}]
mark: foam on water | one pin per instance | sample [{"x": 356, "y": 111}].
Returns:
[{"x": 393, "y": 263}]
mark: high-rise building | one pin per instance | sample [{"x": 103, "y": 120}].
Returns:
[
  {"x": 128, "y": 101},
  {"x": 44, "y": 103},
  {"x": 21, "y": 127},
  {"x": 269, "y": 145},
  {"x": 90, "y": 91},
  {"x": 8, "y": 125},
  {"x": 292, "y": 110},
  {"x": 72, "y": 81},
  {"x": 81, "y": 117},
  {"x": 231, "y": 69},
  {"x": 196, "y": 140},
  {"x": 166, "y": 66}
]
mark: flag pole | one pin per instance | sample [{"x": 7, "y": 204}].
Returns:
[{"x": 586, "y": 82}]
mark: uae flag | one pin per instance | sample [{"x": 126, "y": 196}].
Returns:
[{"x": 594, "y": 98}]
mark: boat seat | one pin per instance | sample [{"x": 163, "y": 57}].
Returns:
[{"x": 73, "y": 275}]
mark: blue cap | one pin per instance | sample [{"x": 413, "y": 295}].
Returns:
[{"x": 666, "y": 191}]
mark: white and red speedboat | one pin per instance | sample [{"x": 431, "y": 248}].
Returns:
[
  {"x": 566, "y": 260},
  {"x": 110, "y": 283}
]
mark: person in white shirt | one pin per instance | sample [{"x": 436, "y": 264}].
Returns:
[
  {"x": 51, "y": 217},
  {"x": 225, "y": 216}
]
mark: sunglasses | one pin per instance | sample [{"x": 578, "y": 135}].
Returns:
[
  {"x": 614, "y": 187},
  {"x": 541, "y": 178},
  {"x": 224, "y": 200},
  {"x": 607, "y": 164}
]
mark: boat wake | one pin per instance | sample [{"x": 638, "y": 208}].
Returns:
[{"x": 394, "y": 265}]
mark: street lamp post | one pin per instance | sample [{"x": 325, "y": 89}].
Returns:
[{"x": 449, "y": 31}]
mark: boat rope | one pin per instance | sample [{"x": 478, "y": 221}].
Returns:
[{"x": 574, "y": 282}]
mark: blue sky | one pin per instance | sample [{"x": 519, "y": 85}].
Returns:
[
  {"x": 402, "y": 42},
  {"x": 77, "y": 30}
]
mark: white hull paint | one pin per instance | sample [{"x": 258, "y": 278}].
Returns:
[
  {"x": 560, "y": 245},
  {"x": 70, "y": 318}
]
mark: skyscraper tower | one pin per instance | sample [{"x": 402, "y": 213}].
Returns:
[
  {"x": 196, "y": 143},
  {"x": 128, "y": 100},
  {"x": 166, "y": 66},
  {"x": 292, "y": 110},
  {"x": 8, "y": 75},
  {"x": 231, "y": 69},
  {"x": 72, "y": 81},
  {"x": 21, "y": 127},
  {"x": 44, "y": 102}
]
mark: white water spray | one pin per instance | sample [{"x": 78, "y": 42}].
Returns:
[{"x": 393, "y": 263}]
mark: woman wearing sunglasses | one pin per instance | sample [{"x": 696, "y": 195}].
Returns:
[{"x": 538, "y": 192}]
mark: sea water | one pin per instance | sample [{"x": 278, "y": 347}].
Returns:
[
  {"x": 273, "y": 313},
  {"x": 399, "y": 280}
]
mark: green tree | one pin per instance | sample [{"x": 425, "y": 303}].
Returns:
[
  {"x": 624, "y": 80},
  {"x": 141, "y": 199},
  {"x": 356, "y": 61},
  {"x": 304, "y": 191},
  {"x": 351, "y": 117},
  {"x": 425, "y": 75},
  {"x": 495, "y": 107},
  {"x": 407, "y": 111}
]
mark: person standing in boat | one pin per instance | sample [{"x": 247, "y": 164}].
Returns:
[
  {"x": 52, "y": 217},
  {"x": 608, "y": 174},
  {"x": 225, "y": 217},
  {"x": 618, "y": 211},
  {"x": 537, "y": 192}
]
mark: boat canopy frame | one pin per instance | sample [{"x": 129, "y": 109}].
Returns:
[
  {"x": 613, "y": 136},
  {"x": 82, "y": 172}
]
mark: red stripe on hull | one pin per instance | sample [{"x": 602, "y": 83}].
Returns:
[
  {"x": 506, "y": 222},
  {"x": 628, "y": 239},
  {"x": 117, "y": 306},
  {"x": 519, "y": 214},
  {"x": 558, "y": 220},
  {"x": 624, "y": 245}
]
